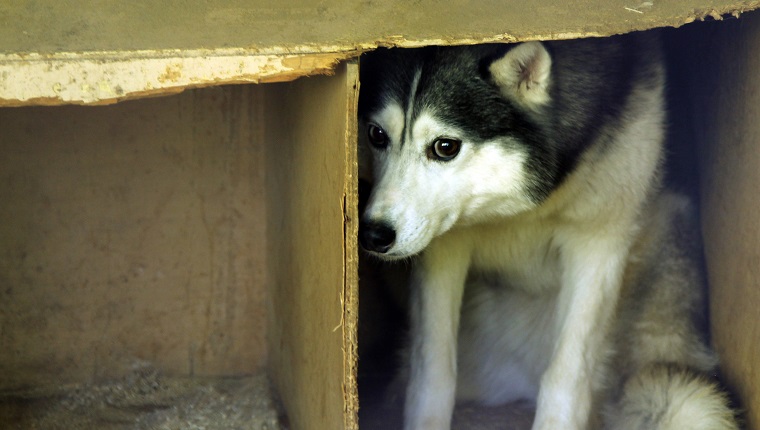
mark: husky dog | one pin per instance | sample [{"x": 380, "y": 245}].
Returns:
[{"x": 523, "y": 181}]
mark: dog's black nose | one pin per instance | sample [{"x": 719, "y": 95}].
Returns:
[{"x": 376, "y": 236}]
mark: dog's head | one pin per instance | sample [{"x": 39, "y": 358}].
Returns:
[{"x": 456, "y": 137}]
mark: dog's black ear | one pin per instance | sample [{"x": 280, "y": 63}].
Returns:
[{"x": 523, "y": 74}]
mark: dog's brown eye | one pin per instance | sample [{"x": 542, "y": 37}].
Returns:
[
  {"x": 445, "y": 149},
  {"x": 377, "y": 136}
]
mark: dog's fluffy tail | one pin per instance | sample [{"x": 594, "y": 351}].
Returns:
[{"x": 669, "y": 397}]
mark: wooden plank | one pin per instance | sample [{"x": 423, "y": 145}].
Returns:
[
  {"x": 350, "y": 296},
  {"x": 727, "y": 97},
  {"x": 106, "y": 78},
  {"x": 312, "y": 247},
  {"x": 304, "y": 26},
  {"x": 92, "y": 52}
]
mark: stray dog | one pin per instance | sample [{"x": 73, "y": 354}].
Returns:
[{"x": 524, "y": 182}]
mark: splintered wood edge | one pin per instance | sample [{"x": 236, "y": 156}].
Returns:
[
  {"x": 350, "y": 298},
  {"x": 106, "y": 78}
]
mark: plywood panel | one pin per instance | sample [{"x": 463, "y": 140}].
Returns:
[
  {"x": 312, "y": 255},
  {"x": 131, "y": 233},
  {"x": 727, "y": 98},
  {"x": 95, "y": 51},
  {"x": 303, "y": 26}
]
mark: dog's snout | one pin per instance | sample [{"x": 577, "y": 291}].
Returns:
[{"x": 376, "y": 236}]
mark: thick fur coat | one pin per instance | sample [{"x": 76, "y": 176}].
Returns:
[{"x": 524, "y": 183}]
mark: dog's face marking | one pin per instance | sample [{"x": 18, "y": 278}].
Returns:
[
  {"x": 446, "y": 154},
  {"x": 430, "y": 176}
]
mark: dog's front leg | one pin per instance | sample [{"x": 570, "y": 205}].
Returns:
[
  {"x": 592, "y": 275},
  {"x": 438, "y": 284}
]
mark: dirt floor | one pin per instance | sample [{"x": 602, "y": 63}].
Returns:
[
  {"x": 145, "y": 399},
  {"x": 466, "y": 417},
  {"x": 381, "y": 410}
]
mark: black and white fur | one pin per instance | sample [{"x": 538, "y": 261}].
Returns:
[{"x": 524, "y": 183}]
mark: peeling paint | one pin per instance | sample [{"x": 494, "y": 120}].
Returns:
[
  {"x": 173, "y": 73},
  {"x": 88, "y": 79}
]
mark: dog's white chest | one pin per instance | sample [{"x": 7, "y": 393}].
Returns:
[{"x": 525, "y": 255}]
